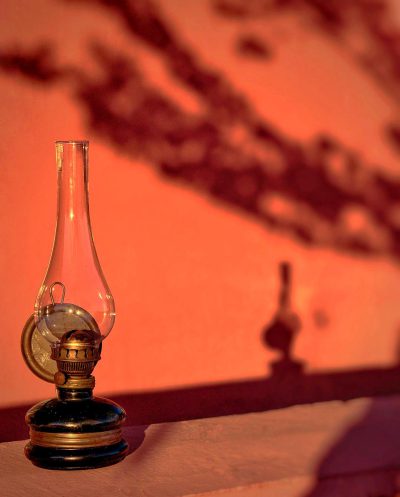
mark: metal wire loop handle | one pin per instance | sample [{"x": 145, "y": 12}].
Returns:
[{"x": 51, "y": 289}]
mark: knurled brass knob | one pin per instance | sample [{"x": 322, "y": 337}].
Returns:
[{"x": 60, "y": 378}]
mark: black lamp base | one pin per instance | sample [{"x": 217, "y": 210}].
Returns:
[{"x": 75, "y": 431}]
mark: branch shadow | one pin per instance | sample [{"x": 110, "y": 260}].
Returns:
[{"x": 321, "y": 193}]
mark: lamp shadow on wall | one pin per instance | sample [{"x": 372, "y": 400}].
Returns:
[
  {"x": 322, "y": 193},
  {"x": 287, "y": 384}
]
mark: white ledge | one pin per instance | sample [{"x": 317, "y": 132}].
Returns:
[{"x": 333, "y": 448}]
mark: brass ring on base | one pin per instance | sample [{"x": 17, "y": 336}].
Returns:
[{"x": 75, "y": 440}]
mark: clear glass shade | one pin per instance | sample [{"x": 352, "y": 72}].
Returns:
[{"x": 74, "y": 294}]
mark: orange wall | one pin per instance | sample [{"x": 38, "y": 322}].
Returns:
[{"x": 194, "y": 282}]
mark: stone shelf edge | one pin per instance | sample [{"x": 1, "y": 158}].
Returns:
[{"x": 331, "y": 448}]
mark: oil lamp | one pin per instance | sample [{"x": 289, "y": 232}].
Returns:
[{"x": 62, "y": 340}]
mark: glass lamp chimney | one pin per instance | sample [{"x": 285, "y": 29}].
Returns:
[{"x": 74, "y": 294}]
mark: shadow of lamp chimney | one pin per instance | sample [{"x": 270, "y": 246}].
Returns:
[{"x": 280, "y": 334}]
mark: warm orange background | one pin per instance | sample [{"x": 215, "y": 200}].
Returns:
[{"x": 194, "y": 282}]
